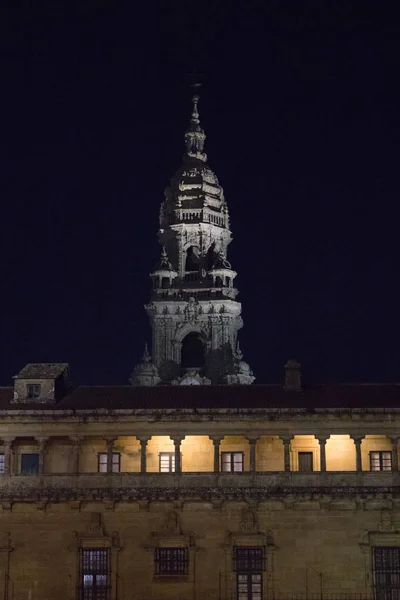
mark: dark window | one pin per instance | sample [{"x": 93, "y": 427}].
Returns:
[
  {"x": 29, "y": 464},
  {"x": 167, "y": 462},
  {"x": 171, "y": 561},
  {"x": 386, "y": 566},
  {"x": 380, "y": 461},
  {"x": 305, "y": 461},
  {"x": 102, "y": 462},
  {"x": 249, "y": 563},
  {"x": 248, "y": 558},
  {"x": 95, "y": 574},
  {"x": 1, "y": 463},
  {"x": 231, "y": 462},
  {"x": 33, "y": 390}
]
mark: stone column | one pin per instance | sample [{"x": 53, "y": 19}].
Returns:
[
  {"x": 143, "y": 443},
  {"x": 252, "y": 443},
  {"x": 76, "y": 449},
  {"x": 216, "y": 440},
  {"x": 322, "y": 451},
  {"x": 395, "y": 456},
  {"x": 177, "y": 442},
  {"x": 357, "y": 439},
  {"x": 42, "y": 441},
  {"x": 286, "y": 439},
  {"x": 7, "y": 441},
  {"x": 110, "y": 450}
]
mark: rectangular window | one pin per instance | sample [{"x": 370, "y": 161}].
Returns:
[
  {"x": 95, "y": 574},
  {"x": 386, "y": 568},
  {"x": 249, "y": 563},
  {"x": 167, "y": 462},
  {"x": 249, "y": 586},
  {"x": 248, "y": 558},
  {"x": 102, "y": 462},
  {"x": 305, "y": 461},
  {"x": 33, "y": 390},
  {"x": 29, "y": 464},
  {"x": 380, "y": 461},
  {"x": 171, "y": 561},
  {"x": 232, "y": 462},
  {"x": 1, "y": 463}
]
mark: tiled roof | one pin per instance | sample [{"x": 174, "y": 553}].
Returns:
[
  {"x": 369, "y": 396},
  {"x": 42, "y": 371}
]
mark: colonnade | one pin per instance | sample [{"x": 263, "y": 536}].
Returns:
[{"x": 78, "y": 441}]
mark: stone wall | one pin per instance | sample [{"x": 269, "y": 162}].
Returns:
[{"x": 335, "y": 542}]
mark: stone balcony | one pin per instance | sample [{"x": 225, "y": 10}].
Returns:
[{"x": 265, "y": 485}]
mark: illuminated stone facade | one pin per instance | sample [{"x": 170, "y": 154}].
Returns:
[{"x": 164, "y": 491}]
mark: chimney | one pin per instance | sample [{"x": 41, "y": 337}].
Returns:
[{"x": 292, "y": 376}]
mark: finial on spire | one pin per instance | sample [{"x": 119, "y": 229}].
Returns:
[{"x": 195, "y": 136}]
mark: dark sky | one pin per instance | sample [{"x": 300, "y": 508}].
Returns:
[{"x": 301, "y": 105}]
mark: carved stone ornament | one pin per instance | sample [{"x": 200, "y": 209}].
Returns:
[
  {"x": 95, "y": 526},
  {"x": 248, "y": 521},
  {"x": 173, "y": 524},
  {"x": 191, "y": 377}
]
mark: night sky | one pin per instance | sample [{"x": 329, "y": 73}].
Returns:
[{"x": 300, "y": 103}]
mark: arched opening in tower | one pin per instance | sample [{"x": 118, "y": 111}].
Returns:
[
  {"x": 192, "y": 259},
  {"x": 192, "y": 352}
]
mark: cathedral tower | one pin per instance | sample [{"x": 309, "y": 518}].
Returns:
[{"x": 193, "y": 312}]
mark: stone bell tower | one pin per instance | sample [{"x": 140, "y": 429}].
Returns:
[{"x": 193, "y": 312}]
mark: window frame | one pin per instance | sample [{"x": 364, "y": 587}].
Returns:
[
  {"x": 117, "y": 463},
  {"x": 309, "y": 453},
  {"x": 36, "y": 472},
  {"x": 231, "y": 461},
  {"x": 103, "y": 592},
  {"x": 33, "y": 390},
  {"x": 380, "y": 457},
  {"x": 171, "y": 462},
  {"x": 389, "y": 576},
  {"x": 178, "y": 560}
]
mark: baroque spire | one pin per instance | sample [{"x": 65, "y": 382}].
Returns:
[{"x": 194, "y": 135}]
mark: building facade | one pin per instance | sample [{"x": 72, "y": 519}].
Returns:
[{"x": 193, "y": 482}]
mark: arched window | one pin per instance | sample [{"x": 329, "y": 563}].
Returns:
[
  {"x": 192, "y": 352},
  {"x": 192, "y": 258}
]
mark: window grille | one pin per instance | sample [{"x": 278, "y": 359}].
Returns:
[
  {"x": 305, "y": 461},
  {"x": 380, "y": 461},
  {"x": 33, "y": 390},
  {"x": 386, "y": 567},
  {"x": 171, "y": 561},
  {"x": 248, "y": 559},
  {"x": 167, "y": 462},
  {"x": 1, "y": 463},
  {"x": 231, "y": 462},
  {"x": 102, "y": 462},
  {"x": 94, "y": 581}
]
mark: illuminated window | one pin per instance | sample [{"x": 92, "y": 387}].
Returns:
[
  {"x": 171, "y": 561},
  {"x": 305, "y": 461},
  {"x": 380, "y": 461},
  {"x": 167, "y": 462},
  {"x": 386, "y": 569},
  {"x": 231, "y": 462},
  {"x": 102, "y": 462},
  {"x": 1, "y": 463},
  {"x": 33, "y": 390},
  {"x": 95, "y": 574}
]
